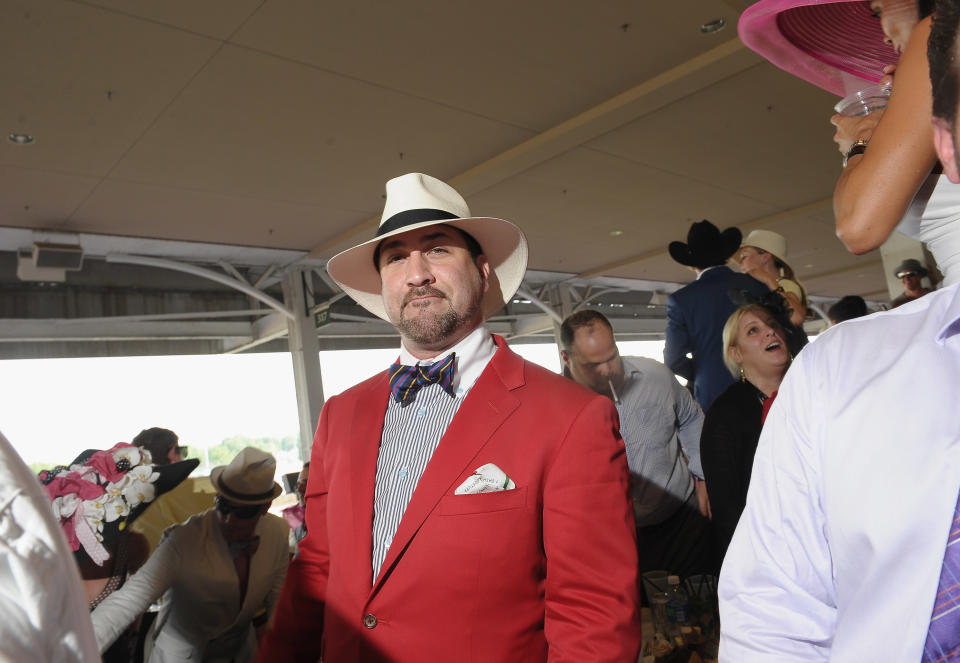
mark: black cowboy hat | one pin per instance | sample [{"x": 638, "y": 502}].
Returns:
[{"x": 706, "y": 246}]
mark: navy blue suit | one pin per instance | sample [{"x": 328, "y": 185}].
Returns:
[{"x": 696, "y": 314}]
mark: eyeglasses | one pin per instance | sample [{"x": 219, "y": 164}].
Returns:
[
  {"x": 903, "y": 275},
  {"x": 183, "y": 451},
  {"x": 244, "y": 511}
]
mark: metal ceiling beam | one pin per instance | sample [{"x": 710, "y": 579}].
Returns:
[
  {"x": 202, "y": 273},
  {"x": 23, "y": 330}
]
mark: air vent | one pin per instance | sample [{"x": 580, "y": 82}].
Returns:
[{"x": 57, "y": 256}]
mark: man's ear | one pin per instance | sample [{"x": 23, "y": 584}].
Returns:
[
  {"x": 484, "y": 266},
  {"x": 946, "y": 148},
  {"x": 565, "y": 356}
]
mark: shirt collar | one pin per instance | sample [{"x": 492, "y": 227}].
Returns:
[
  {"x": 707, "y": 269},
  {"x": 474, "y": 352}
]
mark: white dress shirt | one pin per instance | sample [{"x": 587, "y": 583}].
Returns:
[
  {"x": 411, "y": 435},
  {"x": 837, "y": 556},
  {"x": 42, "y": 603}
]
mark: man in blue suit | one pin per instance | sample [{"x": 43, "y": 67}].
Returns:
[{"x": 697, "y": 312}]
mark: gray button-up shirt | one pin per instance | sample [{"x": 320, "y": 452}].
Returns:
[{"x": 659, "y": 422}]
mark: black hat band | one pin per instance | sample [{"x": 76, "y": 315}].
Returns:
[
  {"x": 412, "y": 216},
  {"x": 229, "y": 494}
]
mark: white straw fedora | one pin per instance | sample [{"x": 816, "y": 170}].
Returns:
[
  {"x": 248, "y": 478},
  {"x": 414, "y": 201}
]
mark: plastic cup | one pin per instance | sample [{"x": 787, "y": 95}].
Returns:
[{"x": 865, "y": 101}]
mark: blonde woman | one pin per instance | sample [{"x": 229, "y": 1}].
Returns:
[{"x": 755, "y": 352}]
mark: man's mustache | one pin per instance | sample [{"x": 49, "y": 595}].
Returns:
[{"x": 424, "y": 291}]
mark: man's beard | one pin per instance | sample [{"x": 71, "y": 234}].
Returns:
[{"x": 432, "y": 329}]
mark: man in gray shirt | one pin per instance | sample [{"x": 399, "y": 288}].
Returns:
[{"x": 660, "y": 424}]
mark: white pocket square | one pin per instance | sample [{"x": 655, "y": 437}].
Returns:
[{"x": 486, "y": 479}]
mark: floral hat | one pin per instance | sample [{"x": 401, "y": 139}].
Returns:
[{"x": 102, "y": 492}]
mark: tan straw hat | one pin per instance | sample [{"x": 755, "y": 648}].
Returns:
[
  {"x": 414, "y": 201},
  {"x": 248, "y": 479},
  {"x": 768, "y": 241}
]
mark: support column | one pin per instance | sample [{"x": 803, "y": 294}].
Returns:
[
  {"x": 305, "y": 353},
  {"x": 561, "y": 295}
]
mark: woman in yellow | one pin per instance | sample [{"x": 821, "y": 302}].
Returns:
[{"x": 762, "y": 255}]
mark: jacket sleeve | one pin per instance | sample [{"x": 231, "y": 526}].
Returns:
[
  {"x": 123, "y": 606},
  {"x": 297, "y": 622},
  {"x": 777, "y": 597},
  {"x": 677, "y": 343},
  {"x": 591, "y": 609}
]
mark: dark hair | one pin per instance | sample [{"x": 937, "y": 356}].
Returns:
[
  {"x": 847, "y": 308},
  {"x": 942, "y": 55},
  {"x": 159, "y": 442},
  {"x": 584, "y": 318},
  {"x": 473, "y": 246},
  {"x": 925, "y": 8}
]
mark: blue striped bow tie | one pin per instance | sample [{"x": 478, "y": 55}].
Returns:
[{"x": 406, "y": 381}]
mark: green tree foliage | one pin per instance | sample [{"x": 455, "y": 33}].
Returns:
[{"x": 224, "y": 452}]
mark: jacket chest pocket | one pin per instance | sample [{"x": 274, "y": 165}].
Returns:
[{"x": 503, "y": 500}]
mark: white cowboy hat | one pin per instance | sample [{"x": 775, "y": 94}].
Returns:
[
  {"x": 248, "y": 479},
  {"x": 414, "y": 201},
  {"x": 768, "y": 241}
]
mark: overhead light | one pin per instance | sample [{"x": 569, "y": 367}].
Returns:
[
  {"x": 20, "y": 139},
  {"x": 616, "y": 233},
  {"x": 716, "y": 25}
]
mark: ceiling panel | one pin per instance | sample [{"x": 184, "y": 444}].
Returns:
[
  {"x": 569, "y": 206},
  {"x": 86, "y": 82},
  {"x": 761, "y": 133},
  {"x": 148, "y": 210},
  {"x": 32, "y": 198},
  {"x": 532, "y": 64},
  {"x": 214, "y": 18},
  {"x": 269, "y": 128}
]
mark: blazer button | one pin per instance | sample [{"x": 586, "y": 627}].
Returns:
[{"x": 370, "y": 621}]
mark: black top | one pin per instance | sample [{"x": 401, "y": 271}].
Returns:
[{"x": 727, "y": 445}]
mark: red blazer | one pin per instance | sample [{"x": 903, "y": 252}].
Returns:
[{"x": 544, "y": 572}]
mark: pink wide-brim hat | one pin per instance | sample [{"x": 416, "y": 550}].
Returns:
[{"x": 837, "y": 45}]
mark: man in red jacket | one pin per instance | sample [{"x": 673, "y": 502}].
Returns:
[{"x": 463, "y": 504}]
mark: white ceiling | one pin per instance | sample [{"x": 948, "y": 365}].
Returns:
[{"x": 274, "y": 124}]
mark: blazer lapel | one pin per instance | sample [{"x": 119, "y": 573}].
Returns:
[
  {"x": 487, "y": 405},
  {"x": 365, "y": 429}
]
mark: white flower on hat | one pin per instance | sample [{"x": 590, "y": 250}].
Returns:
[
  {"x": 131, "y": 454},
  {"x": 137, "y": 486},
  {"x": 112, "y": 502}
]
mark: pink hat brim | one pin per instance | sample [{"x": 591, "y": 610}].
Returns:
[{"x": 837, "y": 45}]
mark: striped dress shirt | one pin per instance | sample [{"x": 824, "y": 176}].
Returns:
[{"x": 411, "y": 435}]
